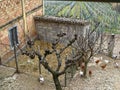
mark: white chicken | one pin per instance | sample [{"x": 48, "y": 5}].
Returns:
[
  {"x": 114, "y": 57},
  {"x": 41, "y": 79},
  {"x": 116, "y": 65},
  {"x": 81, "y": 73},
  {"x": 106, "y": 61}
]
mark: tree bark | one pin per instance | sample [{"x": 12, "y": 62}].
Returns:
[
  {"x": 85, "y": 70},
  {"x": 57, "y": 82}
]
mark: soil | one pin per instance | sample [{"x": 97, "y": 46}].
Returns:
[
  {"x": 107, "y": 79},
  {"x": 101, "y": 79}
]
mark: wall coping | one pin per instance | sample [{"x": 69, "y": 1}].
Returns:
[{"x": 61, "y": 20}]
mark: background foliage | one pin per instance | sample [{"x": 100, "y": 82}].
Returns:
[{"x": 105, "y": 13}]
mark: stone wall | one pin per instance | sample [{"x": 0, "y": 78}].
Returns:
[
  {"x": 48, "y": 27},
  {"x": 116, "y": 50},
  {"x": 11, "y": 15}
]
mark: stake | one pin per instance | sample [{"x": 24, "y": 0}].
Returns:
[
  {"x": 16, "y": 61},
  {"x": 39, "y": 67},
  {"x": 24, "y": 17},
  {"x": 65, "y": 79},
  {"x": 0, "y": 61},
  {"x": 39, "y": 60}
]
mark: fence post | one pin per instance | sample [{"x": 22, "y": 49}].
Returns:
[
  {"x": 0, "y": 61},
  {"x": 16, "y": 61},
  {"x": 111, "y": 45}
]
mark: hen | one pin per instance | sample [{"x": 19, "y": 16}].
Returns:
[
  {"x": 97, "y": 61},
  {"x": 103, "y": 66},
  {"x": 90, "y": 73},
  {"x": 41, "y": 79},
  {"x": 81, "y": 73}
]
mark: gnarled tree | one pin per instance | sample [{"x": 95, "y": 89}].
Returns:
[{"x": 42, "y": 58}]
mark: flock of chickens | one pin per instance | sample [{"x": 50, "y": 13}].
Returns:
[{"x": 100, "y": 62}]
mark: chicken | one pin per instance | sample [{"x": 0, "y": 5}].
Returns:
[
  {"x": 116, "y": 65},
  {"x": 97, "y": 61},
  {"x": 41, "y": 79},
  {"x": 103, "y": 66},
  {"x": 81, "y": 73},
  {"x": 114, "y": 57},
  {"x": 90, "y": 73},
  {"x": 106, "y": 61}
]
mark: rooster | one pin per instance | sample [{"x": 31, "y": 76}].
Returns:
[
  {"x": 103, "y": 66},
  {"x": 90, "y": 73}
]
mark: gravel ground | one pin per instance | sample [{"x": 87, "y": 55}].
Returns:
[
  {"x": 108, "y": 79},
  {"x": 24, "y": 82}
]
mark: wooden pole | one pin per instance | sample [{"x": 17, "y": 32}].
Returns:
[
  {"x": 39, "y": 61},
  {"x": 24, "y": 18},
  {"x": 111, "y": 45},
  {"x": 0, "y": 61},
  {"x": 16, "y": 61}
]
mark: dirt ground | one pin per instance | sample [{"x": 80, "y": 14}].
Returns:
[
  {"x": 107, "y": 79},
  {"x": 23, "y": 81},
  {"x": 30, "y": 66}
]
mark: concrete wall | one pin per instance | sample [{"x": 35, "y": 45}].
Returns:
[
  {"x": 11, "y": 15},
  {"x": 49, "y": 27}
]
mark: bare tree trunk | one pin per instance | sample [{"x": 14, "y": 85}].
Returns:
[
  {"x": 85, "y": 69},
  {"x": 57, "y": 82}
]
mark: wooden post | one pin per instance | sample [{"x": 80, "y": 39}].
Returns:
[
  {"x": 0, "y": 61},
  {"x": 111, "y": 45},
  {"x": 16, "y": 61},
  {"x": 24, "y": 18},
  {"x": 65, "y": 72}
]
